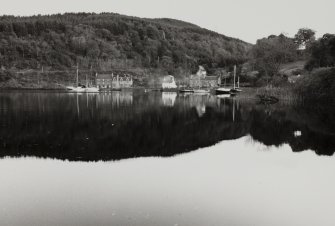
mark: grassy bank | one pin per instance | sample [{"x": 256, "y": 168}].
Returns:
[
  {"x": 317, "y": 86},
  {"x": 286, "y": 93}
]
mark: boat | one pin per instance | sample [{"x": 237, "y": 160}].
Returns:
[
  {"x": 201, "y": 91},
  {"x": 91, "y": 89},
  {"x": 222, "y": 90},
  {"x": 82, "y": 88},
  {"x": 237, "y": 89},
  {"x": 76, "y": 88},
  {"x": 186, "y": 90}
]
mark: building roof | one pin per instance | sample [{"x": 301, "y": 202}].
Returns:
[
  {"x": 104, "y": 76},
  {"x": 168, "y": 79},
  {"x": 111, "y": 76}
]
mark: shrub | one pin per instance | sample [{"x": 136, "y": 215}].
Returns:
[{"x": 318, "y": 85}]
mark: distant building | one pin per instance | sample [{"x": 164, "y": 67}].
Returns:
[
  {"x": 169, "y": 82},
  {"x": 110, "y": 81},
  {"x": 201, "y": 79}
]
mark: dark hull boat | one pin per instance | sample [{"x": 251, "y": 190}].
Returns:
[
  {"x": 235, "y": 90},
  {"x": 186, "y": 90}
]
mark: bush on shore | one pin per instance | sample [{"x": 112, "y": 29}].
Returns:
[{"x": 317, "y": 86}]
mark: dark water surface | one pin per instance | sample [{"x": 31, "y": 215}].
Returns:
[{"x": 135, "y": 158}]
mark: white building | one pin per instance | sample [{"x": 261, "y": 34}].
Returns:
[{"x": 169, "y": 82}]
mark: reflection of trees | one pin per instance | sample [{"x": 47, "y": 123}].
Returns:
[
  {"x": 109, "y": 132},
  {"x": 276, "y": 126},
  {"x": 48, "y": 125}
]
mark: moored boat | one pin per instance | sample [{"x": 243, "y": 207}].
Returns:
[
  {"x": 235, "y": 90},
  {"x": 201, "y": 91},
  {"x": 186, "y": 90},
  {"x": 81, "y": 88},
  {"x": 91, "y": 89},
  {"x": 76, "y": 88},
  {"x": 222, "y": 90}
]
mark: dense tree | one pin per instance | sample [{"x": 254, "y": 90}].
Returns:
[
  {"x": 110, "y": 40},
  {"x": 270, "y": 53},
  {"x": 322, "y": 52},
  {"x": 304, "y": 37}
]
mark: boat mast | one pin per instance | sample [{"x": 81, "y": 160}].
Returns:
[
  {"x": 234, "y": 75},
  {"x": 77, "y": 75}
]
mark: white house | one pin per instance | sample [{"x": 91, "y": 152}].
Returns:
[{"x": 169, "y": 82}]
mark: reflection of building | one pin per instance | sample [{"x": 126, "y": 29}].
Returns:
[
  {"x": 169, "y": 82},
  {"x": 201, "y": 110},
  {"x": 169, "y": 98},
  {"x": 115, "y": 99},
  {"x": 114, "y": 81},
  {"x": 201, "y": 79}
]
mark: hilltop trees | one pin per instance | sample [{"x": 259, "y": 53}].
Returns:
[
  {"x": 305, "y": 37},
  {"x": 106, "y": 40}
]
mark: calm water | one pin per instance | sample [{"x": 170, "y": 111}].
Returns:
[{"x": 135, "y": 158}]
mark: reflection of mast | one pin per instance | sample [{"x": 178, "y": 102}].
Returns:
[
  {"x": 87, "y": 100},
  {"x": 78, "y": 111},
  {"x": 233, "y": 110}
]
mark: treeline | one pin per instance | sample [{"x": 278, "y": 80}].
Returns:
[
  {"x": 106, "y": 41},
  {"x": 322, "y": 52},
  {"x": 277, "y": 53}
]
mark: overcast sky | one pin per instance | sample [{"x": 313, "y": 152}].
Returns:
[{"x": 248, "y": 20}]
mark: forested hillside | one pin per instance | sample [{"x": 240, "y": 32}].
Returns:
[{"x": 110, "y": 41}]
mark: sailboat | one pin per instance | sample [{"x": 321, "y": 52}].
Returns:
[
  {"x": 235, "y": 90},
  {"x": 90, "y": 89},
  {"x": 222, "y": 90},
  {"x": 81, "y": 88},
  {"x": 201, "y": 91}
]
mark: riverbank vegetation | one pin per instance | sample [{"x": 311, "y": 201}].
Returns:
[{"x": 298, "y": 69}]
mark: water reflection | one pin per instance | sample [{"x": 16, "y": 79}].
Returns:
[
  {"x": 118, "y": 125},
  {"x": 169, "y": 98}
]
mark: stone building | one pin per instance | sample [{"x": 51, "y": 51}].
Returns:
[
  {"x": 201, "y": 79},
  {"x": 111, "y": 81},
  {"x": 169, "y": 82}
]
